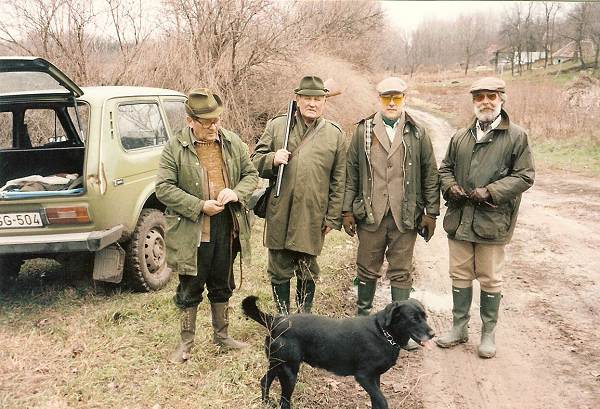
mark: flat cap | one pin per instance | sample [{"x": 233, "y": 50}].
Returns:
[
  {"x": 391, "y": 85},
  {"x": 488, "y": 84}
]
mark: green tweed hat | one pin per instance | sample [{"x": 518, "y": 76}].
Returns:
[
  {"x": 311, "y": 85},
  {"x": 203, "y": 104}
]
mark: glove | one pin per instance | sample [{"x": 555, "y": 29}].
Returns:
[
  {"x": 428, "y": 225},
  {"x": 480, "y": 195},
  {"x": 349, "y": 223},
  {"x": 456, "y": 193}
]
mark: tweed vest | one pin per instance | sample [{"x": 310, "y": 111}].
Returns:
[{"x": 387, "y": 163}]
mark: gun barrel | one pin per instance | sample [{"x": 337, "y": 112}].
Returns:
[{"x": 286, "y": 138}]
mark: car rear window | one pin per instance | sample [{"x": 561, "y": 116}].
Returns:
[
  {"x": 28, "y": 82},
  {"x": 140, "y": 126}
]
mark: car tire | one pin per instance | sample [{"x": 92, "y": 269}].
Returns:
[
  {"x": 10, "y": 266},
  {"x": 146, "y": 260}
]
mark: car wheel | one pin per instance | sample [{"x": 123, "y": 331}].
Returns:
[
  {"x": 146, "y": 258},
  {"x": 9, "y": 271}
]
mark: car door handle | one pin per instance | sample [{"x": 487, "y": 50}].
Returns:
[{"x": 118, "y": 182}]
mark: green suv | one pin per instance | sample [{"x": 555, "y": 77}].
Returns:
[{"x": 77, "y": 174}]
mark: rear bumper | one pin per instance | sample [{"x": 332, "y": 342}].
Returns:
[{"x": 60, "y": 243}]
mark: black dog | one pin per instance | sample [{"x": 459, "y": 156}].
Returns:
[{"x": 364, "y": 347}]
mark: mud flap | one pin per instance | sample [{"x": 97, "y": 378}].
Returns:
[{"x": 109, "y": 263}]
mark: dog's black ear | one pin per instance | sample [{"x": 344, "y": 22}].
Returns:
[{"x": 389, "y": 313}]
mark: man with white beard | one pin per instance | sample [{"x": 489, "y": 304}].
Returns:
[{"x": 488, "y": 165}]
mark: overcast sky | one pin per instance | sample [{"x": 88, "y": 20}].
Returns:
[{"x": 409, "y": 14}]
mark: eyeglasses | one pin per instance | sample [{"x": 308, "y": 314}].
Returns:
[
  {"x": 480, "y": 97},
  {"x": 207, "y": 123},
  {"x": 397, "y": 99}
]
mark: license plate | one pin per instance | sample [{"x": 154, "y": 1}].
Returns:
[{"x": 20, "y": 220}]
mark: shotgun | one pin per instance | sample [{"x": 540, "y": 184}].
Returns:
[{"x": 286, "y": 138}]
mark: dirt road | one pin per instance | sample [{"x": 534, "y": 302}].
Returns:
[{"x": 548, "y": 335}]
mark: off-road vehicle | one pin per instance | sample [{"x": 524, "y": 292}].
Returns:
[{"x": 104, "y": 143}]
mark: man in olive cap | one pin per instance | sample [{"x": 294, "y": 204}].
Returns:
[
  {"x": 392, "y": 190},
  {"x": 312, "y": 190},
  {"x": 488, "y": 165},
  {"x": 205, "y": 178}
]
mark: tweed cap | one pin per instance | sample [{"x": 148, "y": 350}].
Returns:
[
  {"x": 488, "y": 84},
  {"x": 203, "y": 104},
  {"x": 391, "y": 85},
  {"x": 311, "y": 85}
]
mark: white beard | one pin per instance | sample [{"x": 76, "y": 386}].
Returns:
[{"x": 487, "y": 116}]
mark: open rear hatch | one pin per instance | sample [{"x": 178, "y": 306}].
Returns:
[{"x": 42, "y": 149}]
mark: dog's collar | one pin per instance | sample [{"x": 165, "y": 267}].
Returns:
[{"x": 389, "y": 338}]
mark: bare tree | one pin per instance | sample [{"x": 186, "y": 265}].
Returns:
[
  {"x": 578, "y": 22},
  {"x": 550, "y": 11}
]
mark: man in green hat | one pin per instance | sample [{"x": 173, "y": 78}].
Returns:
[
  {"x": 312, "y": 190},
  {"x": 488, "y": 165},
  {"x": 392, "y": 190},
  {"x": 205, "y": 178}
]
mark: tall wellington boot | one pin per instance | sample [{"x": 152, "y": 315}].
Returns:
[
  {"x": 366, "y": 293},
  {"x": 459, "y": 333},
  {"x": 489, "y": 305},
  {"x": 281, "y": 296},
  {"x": 305, "y": 294}
]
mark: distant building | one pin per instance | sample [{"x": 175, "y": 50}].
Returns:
[
  {"x": 501, "y": 56},
  {"x": 570, "y": 52}
]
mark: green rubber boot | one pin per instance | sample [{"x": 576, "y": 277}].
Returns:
[
  {"x": 489, "y": 305},
  {"x": 281, "y": 296},
  {"x": 400, "y": 294},
  {"x": 459, "y": 333},
  {"x": 305, "y": 294},
  {"x": 366, "y": 293}
]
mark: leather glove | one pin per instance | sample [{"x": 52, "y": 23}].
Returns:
[
  {"x": 480, "y": 195},
  {"x": 349, "y": 223},
  {"x": 428, "y": 224},
  {"x": 456, "y": 193}
]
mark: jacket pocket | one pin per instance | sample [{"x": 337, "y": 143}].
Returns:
[
  {"x": 452, "y": 219},
  {"x": 490, "y": 223},
  {"x": 171, "y": 234},
  {"x": 358, "y": 209}
]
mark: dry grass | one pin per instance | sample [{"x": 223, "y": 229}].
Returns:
[
  {"x": 560, "y": 113},
  {"x": 68, "y": 345}
]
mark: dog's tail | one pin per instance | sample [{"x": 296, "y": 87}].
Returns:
[{"x": 251, "y": 310}]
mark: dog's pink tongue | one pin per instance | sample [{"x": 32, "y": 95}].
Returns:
[{"x": 427, "y": 344}]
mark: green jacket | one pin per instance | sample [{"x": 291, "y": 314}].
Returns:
[
  {"x": 420, "y": 170},
  {"x": 502, "y": 162},
  {"x": 312, "y": 188},
  {"x": 180, "y": 187}
]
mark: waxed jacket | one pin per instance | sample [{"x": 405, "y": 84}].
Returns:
[
  {"x": 312, "y": 188},
  {"x": 421, "y": 180},
  {"x": 503, "y": 163},
  {"x": 179, "y": 186}
]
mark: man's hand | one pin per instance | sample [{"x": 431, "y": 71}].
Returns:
[
  {"x": 326, "y": 229},
  {"x": 457, "y": 193},
  {"x": 212, "y": 207},
  {"x": 349, "y": 223},
  {"x": 281, "y": 156},
  {"x": 226, "y": 195},
  {"x": 428, "y": 222},
  {"x": 481, "y": 195}
]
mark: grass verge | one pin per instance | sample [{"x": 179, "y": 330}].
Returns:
[{"x": 68, "y": 344}]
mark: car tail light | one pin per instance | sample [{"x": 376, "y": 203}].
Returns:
[{"x": 67, "y": 215}]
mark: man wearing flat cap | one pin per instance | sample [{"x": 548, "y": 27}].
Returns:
[
  {"x": 488, "y": 165},
  {"x": 312, "y": 190},
  {"x": 392, "y": 190},
  {"x": 205, "y": 178}
]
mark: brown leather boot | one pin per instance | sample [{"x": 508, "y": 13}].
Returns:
[
  {"x": 220, "y": 322},
  {"x": 188, "y": 331}
]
